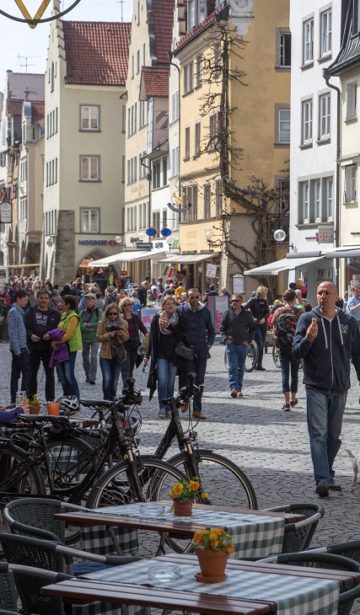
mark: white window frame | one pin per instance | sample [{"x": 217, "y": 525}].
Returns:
[
  {"x": 329, "y": 198},
  {"x": 93, "y": 168},
  {"x": 175, "y": 161},
  {"x": 324, "y": 116},
  {"x": 282, "y": 48},
  {"x": 325, "y": 32},
  {"x": 306, "y": 121},
  {"x": 351, "y": 100},
  {"x": 90, "y": 220},
  {"x": 317, "y": 200},
  {"x": 350, "y": 183},
  {"x": 282, "y": 136},
  {"x": 175, "y": 107},
  {"x": 188, "y": 77},
  {"x": 308, "y": 41},
  {"x": 90, "y": 118},
  {"x": 197, "y": 145}
]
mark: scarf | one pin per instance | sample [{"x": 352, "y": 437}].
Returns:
[{"x": 173, "y": 320}]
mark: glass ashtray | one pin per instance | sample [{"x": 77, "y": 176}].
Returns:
[{"x": 164, "y": 573}]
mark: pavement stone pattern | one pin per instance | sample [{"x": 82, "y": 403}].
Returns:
[{"x": 270, "y": 445}]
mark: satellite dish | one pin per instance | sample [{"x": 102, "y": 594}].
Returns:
[{"x": 279, "y": 234}]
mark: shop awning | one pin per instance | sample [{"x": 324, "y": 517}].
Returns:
[
  {"x": 284, "y": 264},
  {"x": 343, "y": 253},
  {"x": 86, "y": 263},
  {"x": 127, "y": 257},
  {"x": 187, "y": 259},
  {"x": 20, "y": 266}
]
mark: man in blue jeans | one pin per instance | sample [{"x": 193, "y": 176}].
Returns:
[
  {"x": 326, "y": 339},
  {"x": 237, "y": 329},
  {"x": 20, "y": 364}
]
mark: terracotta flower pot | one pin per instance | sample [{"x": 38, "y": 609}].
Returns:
[
  {"x": 53, "y": 408},
  {"x": 34, "y": 409},
  {"x": 182, "y": 509},
  {"x": 212, "y": 563}
]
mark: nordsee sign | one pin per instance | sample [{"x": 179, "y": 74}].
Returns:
[{"x": 93, "y": 242}]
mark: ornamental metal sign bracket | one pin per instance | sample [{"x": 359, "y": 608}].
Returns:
[{"x": 38, "y": 17}]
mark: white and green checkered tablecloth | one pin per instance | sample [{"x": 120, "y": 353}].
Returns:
[
  {"x": 293, "y": 595},
  {"x": 253, "y": 536}
]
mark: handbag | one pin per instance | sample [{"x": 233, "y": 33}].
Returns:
[
  {"x": 119, "y": 353},
  {"x": 184, "y": 352}
]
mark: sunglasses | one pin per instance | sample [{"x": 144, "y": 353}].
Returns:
[
  {"x": 236, "y": 300},
  {"x": 112, "y": 313}
]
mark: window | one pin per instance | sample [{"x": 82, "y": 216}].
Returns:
[
  {"x": 164, "y": 218},
  {"x": 156, "y": 174},
  {"x": 142, "y": 167},
  {"x": 197, "y": 138},
  {"x": 23, "y": 209},
  {"x": 175, "y": 107},
  {"x": 325, "y": 32},
  {"x": 187, "y": 143},
  {"x": 89, "y": 220},
  {"x": 198, "y": 73},
  {"x": 308, "y": 41},
  {"x": 350, "y": 183},
  {"x": 207, "y": 201},
  {"x": 50, "y": 222},
  {"x": 132, "y": 120},
  {"x": 138, "y": 61},
  {"x": 90, "y": 168},
  {"x": 218, "y": 197},
  {"x": 89, "y": 117},
  {"x": 306, "y": 122},
  {"x": 175, "y": 162},
  {"x": 23, "y": 170},
  {"x": 143, "y": 119},
  {"x": 188, "y": 78},
  {"x": 316, "y": 200},
  {"x": 196, "y": 12},
  {"x": 214, "y": 126},
  {"x": 156, "y": 221},
  {"x": 351, "y": 101},
  {"x": 283, "y": 126},
  {"x": 324, "y": 116},
  {"x": 191, "y": 198},
  {"x": 284, "y": 49},
  {"x": 164, "y": 171}
]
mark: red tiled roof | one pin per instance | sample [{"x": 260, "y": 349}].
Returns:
[
  {"x": 162, "y": 19},
  {"x": 155, "y": 80},
  {"x": 96, "y": 52},
  {"x": 38, "y": 110}
]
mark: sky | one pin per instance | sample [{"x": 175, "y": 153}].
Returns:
[{"x": 21, "y": 45}]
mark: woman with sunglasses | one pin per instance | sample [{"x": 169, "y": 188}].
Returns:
[
  {"x": 112, "y": 332},
  {"x": 135, "y": 324}
]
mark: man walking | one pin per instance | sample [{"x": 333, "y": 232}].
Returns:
[
  {"x": 20, "y": 365},
  {"x": 199, "y": 330},
  {"x": 237, "y": 329},
  {"x": 89, "y": 319},
  {"x": 326, "y": 339},
  {"x": 38, "y": 321}
]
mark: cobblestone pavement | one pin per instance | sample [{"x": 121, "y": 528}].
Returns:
[{"x": 269, "y": 444}]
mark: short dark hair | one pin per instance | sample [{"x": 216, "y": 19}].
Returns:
[
  {"x": 70, "y": 301},
  {"x": 42, "y": 291},
  {"x": 289, "y": 295},
  {"x": 20, "y": 294}
]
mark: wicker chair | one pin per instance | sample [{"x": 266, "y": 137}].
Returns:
[
  {"x": 29, "y": 581},
  {"x": 317, "y": 559},
  {"x": 349, "y": 549},
  {"x": 298, "y": 536},
  {"x": 8, "y": 593}
]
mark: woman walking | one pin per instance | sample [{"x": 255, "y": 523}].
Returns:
[
  {"x": 135, "y": 324},
  {"x": 165, "y": 333},
  {"x": 284, "y": 323},
  {"x": 70, "y": 324},
  {"x": 112, "y": 332}
]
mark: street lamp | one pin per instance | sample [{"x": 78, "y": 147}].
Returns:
[{"x": 280, "y": 236}]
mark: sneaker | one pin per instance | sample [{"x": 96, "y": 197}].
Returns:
[
  {"x": 161, "y": 414},
  {"x": 333, "y": 486},
  {"x": 322, "y": 489},
  {"x": 234, "y": 393}
]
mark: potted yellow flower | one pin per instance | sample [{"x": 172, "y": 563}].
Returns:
[
  {"x": 34, "y": 404},
  {"x": 212, "y": 547},
  {"x": 183, "y": 494}
]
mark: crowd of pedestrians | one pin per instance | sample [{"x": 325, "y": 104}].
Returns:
[{"x": 51, "y": 326}]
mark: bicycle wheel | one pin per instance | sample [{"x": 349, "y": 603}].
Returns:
[
  {"x": 18, "y": 477},
  {"x": 219, "y": 477},
  {"x": 251, "y": 357},
  {"x": 116, "y": 487},
  {"x": 69, "y": 461},
  {"x": 276, "y": 356}
]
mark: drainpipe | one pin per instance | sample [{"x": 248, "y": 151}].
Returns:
[{"x": 338, "y": 153}]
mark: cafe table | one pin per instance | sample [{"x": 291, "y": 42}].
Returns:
[
  {"x": 249, "y": 588},
  {"x": 254, "y": 533}
]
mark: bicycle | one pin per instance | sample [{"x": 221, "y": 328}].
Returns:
[
  {"x": 251, "y": 357},
  {"x": 77, "y": 475}
]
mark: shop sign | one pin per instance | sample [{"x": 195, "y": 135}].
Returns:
[
  {"x": 325, "y": 234},
  {"x": 141, "y": 245},
  {"x": 97, "y": 242},
  {"x": 211, "y": 270}
]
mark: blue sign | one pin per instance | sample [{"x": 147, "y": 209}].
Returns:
[
  {"x": 151, "y": 231},
  {"x": 166, "y": 232}
]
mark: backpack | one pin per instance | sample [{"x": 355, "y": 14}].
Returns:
[{"x": 285, "y": 327}]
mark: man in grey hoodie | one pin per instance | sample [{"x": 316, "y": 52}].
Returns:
[
  {"x": 326, "y": 339},
  {"x": 17, "y": 336}
]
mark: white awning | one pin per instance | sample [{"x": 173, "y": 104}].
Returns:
[
  {"x": 343, "y": 252},
  {"x": 127, "y": 257},
  {"x": 284, "y": 264},
  {"x": 187, "y": 259}
]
